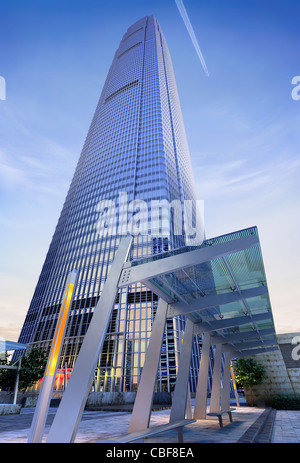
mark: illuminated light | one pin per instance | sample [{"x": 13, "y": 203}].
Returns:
[
  {"x": 60, "y": 331},
  {"x": 55, "y": 336},
  {"x": 52, "y": 376},
  {"x": 232, "y": 377}
]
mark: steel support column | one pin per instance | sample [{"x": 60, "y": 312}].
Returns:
[
  {"x": 201, "y": 393},
  {"x": 68, "y": 415},
  {"x": 215, "y": 399},
  {"x": 181, "y": 387},
  {"x": 143, "y": 402},
  {"x": 225, "y": 393}
]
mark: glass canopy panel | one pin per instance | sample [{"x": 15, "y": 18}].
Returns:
[
  {"x": 179, "y": 284},
  {"x": 245, "y": 328},
  {"x": 265, "y": 324},
  {"x": 258, "y": 304},
  {"x": 247, "y": 267},
  {"x": 231, "y": 310},
  {"x": 195, "y": 317},
  {"x": 159, "y": 283},
  {"x": 210, "y": 242},
  {"x": 268, "y": 337},
  {"x": 239, "y": 270},
  {"x": 231, "y": 272},
  {"x": 194, "y": 281}
]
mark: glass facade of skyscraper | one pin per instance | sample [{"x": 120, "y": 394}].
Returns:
[{"x": 135, "y": 153}]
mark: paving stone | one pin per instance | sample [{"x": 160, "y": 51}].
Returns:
[{"x": 100, "y": 425}]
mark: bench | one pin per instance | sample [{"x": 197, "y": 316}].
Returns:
[
  {"x": 133, "y": 436},
  {"x": 220, "y": 413}
]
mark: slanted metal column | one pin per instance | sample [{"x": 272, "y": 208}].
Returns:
[
  {"x": 201, "y": 393},
  {"x": 68, "y": 415},
  {"x": 215, "y": 399},
  {"x": 181, "y": 388},
  {"x": 188, "y": 410},
  {"x": 141, "y": 412},
  {"x": 225, "y": 393},
  {"x": 17, "y": 381}
]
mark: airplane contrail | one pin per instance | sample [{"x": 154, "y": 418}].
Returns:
[{"x": 191, "y": 32}]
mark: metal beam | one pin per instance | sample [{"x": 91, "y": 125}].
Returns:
[
  {"x": 208, "y": 302},
  {"x": 181, "y": 387},
  {"x": 8, "y": 367},
  {"x": 139, "y": 273},
  {"x": 201, "y": 393},
  {"x": 248, "y": 345},
  {"x": 232, "y": 338},
  {"x": 69, "y": 412},
  {"x": 158, "y": 291},
  {"x": 225, "y": 391},
  {"x": 163, "y": 283},
  {"x": 215, "y": 400},
  {"x": 256, "y": 351},
  {"x": 141, "y": 412},
  {"x": 231, "y": 322}
]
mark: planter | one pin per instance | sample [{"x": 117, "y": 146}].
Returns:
[{"x": 10, "y": 409}]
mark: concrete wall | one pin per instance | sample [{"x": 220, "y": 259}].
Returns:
[
  {"x": 282, "y": 370},
  {"x": 95, "y": 399},
  {"x": 8, "y": 397},
  {"x": 98, "y": 399}
]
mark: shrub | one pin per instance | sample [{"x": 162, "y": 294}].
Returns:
[
  {"x": 248, "y": 372},
  {"x": 287, "y": 402}
]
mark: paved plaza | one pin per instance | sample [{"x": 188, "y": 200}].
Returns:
[
  {"x": 286, "y": 427},
  {"x": 101, "y": 425}
]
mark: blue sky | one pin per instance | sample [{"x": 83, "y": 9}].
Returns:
[{"x": 241, "y": 122}]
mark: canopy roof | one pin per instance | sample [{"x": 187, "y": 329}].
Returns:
[
  {"x": 220, "y": 285},
  {"x": 11, "y": 345}
]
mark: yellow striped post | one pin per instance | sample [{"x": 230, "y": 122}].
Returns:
[
  {"x": 234, "y": 387},
  {"x": 41, "y": 411}
]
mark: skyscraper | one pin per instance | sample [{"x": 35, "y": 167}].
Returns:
[{"x": 135, "y": 153}]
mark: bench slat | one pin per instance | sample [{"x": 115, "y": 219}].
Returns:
[
  {"x": 151, "y": 431},
  {"x": 220, "y": 413}
]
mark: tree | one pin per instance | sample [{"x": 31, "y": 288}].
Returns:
[
  {"x": 249, "y": 373},
  {"x": 32, "y": 369},
  {"x": 7, "y": 377}
]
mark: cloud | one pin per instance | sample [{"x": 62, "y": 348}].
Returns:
[
  {"x": 32, "y": 161},
  {"x": 10, "y": 175},
  {"x": 229, "y": 178}
]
